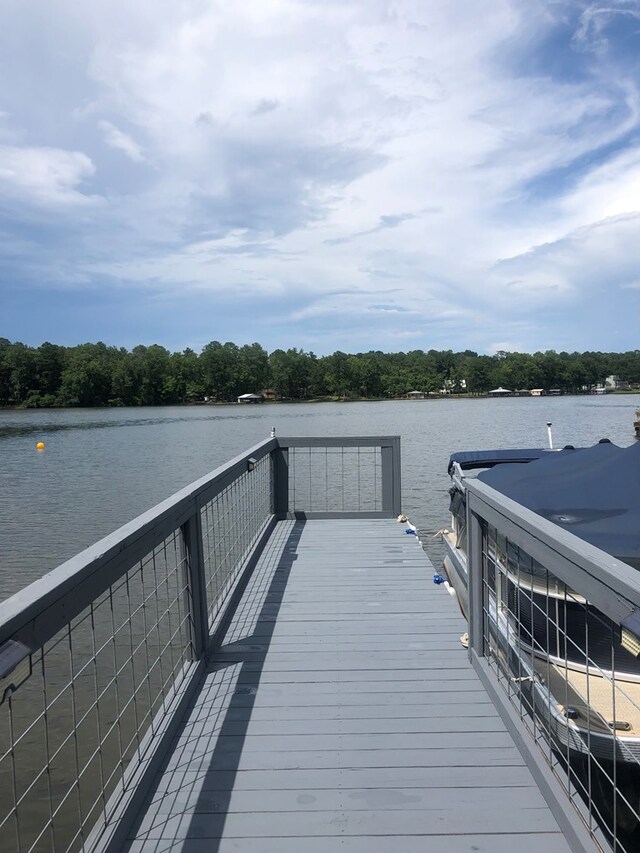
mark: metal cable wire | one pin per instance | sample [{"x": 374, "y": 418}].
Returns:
[
  {"x": 96, "y": 688},
  {"x": 335, "y": 479},
  {"x": 539, "y": 639},
  {"x": 103, "y": 684}
]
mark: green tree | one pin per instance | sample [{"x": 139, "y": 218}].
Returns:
[
  {"x": 338, "y": 376},
  {"x": 125, "y": 380},
  {"x": 86, "y": 378},
  {"x": 50, "y": 361},
  {"x": 22, "y": 369},
  {"x": 153, "y": 368},
  {"x": 188, "y": 381},
  {"x": 5, "y": 372},
  {"x": 480, "y": 374},
  {"x": 220, "y": 365},
  {"x": 253, "y": 369},
  {"x": 295, "y": 374}
]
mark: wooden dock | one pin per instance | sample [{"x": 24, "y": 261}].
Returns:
[{"x": 341, "y": 713}]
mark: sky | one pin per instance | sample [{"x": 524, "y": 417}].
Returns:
[{"x": 328, "y": 174}]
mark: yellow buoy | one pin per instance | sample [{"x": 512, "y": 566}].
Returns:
[{"x": 40, "y": 445}]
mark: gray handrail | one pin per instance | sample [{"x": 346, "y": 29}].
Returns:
[
  {"x": 64, "y": 592},
  {"x": 507, "y": 630},
  {"x": 198, "y": 547}
]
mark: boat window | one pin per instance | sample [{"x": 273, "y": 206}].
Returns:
[{"x": 501, "y": 547}]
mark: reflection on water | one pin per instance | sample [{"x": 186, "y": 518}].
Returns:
[
  {"x": 102, "y": 467},
  {"x": 27, "y": 427}
]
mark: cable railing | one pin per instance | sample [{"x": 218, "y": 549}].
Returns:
[
  {"x": 329, "y": 477},
  {"x": 100, "y": 658},
  {"x": 554, "y": 630}
]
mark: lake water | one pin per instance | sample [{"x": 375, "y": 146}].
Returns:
[{"x": 102, "y": 467}]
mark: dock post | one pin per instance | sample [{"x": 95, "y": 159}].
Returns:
[
  {"x": 475, "y": 580},
  {"x": 391, "y": 477},
  {"x": 195, "y": 582},
  {"x": 281, "y": 482}
]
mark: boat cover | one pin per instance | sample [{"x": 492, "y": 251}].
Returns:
[
  {"x": 592, "y": 492},
  {"x": 470, "y": 459}
]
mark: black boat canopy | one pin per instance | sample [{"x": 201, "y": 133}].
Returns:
[
  {"x": 471, "y": 459},
  {"x": 592, "y": 492}
]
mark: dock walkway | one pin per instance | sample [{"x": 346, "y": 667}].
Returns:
[{"x": 342, "y": 713}]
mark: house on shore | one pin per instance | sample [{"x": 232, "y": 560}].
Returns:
[
  {"x": 250, "y": 398},
  {"x": 614, "y": 383},
  {"x": 500, "y": 392}
]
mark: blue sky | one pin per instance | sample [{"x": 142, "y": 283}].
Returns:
[{"x": 374, "y": 174}]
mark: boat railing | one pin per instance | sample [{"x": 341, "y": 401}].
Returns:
[
  {"x": 100, "y": 657},
  {"x": 554, "y": 631}
]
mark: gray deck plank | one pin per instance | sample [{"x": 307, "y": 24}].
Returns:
[
  {"x": 308, "y": 742},
  {"x": 341, "y": 713},
  {"x": 298, "y": 824},
  {"x": 275, "y": 728},
  {"x": 216, "y": 801},
  {"x": 435, "y": 778},
  {"x": 360, "y": 643},
  {"x": 320, "y": 694},
  {"x": 529, "y": 843},
  {"x": 431, "y": 715},
  {"x": 205, "y": 757}
]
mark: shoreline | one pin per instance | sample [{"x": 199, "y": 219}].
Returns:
[{"x": 431, "y": 398}]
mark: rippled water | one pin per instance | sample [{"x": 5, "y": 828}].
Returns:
[{"x": 101, "y": 468}]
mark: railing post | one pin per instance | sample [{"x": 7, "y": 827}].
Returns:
[
  {"x": 281, "y": 482},
  {"x": 391, "y": 477},
  {"x": 475, "y": 574},
  {"x": 194, "y": 571}
]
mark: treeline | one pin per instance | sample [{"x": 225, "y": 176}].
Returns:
[{"x": 100, "y": 375}]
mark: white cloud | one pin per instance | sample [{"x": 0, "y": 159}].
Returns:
[
  {"x": 588, "y": 264},
  {"x": 341, "y": 156},
  {"x": 45, "y": 175},
  {"x": 121, "y": 141},
  {"x": 503, "y": 346},
  {"x": 596, "y": 17},
  {"x": 608, "y": 190}
]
